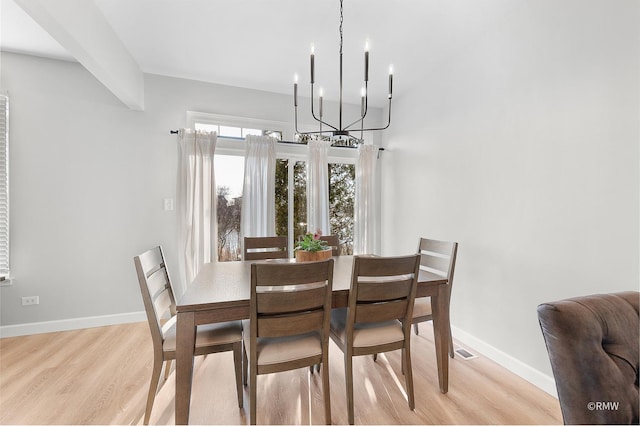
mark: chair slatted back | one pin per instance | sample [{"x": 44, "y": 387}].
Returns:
[
  {"x": 290, "y": 298},
  {"x": 157, "y": 294},
  {"x": 332, "y": 241},
  {"x": 438, "y": 257},
  {"x": 382, "y": 289},
  {"x": 258, "y": 248}
]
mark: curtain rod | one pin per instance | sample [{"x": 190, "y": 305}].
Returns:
[{"x": 175, "y": 132}]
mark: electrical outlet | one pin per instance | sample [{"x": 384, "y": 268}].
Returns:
[{"x": 30, "y": 300}]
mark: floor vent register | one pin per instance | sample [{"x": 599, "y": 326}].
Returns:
[{"x": 465, "y": 354}]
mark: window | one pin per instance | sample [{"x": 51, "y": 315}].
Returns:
[
  {"x": 291, "y": 182},
  {"x": 233, "y": 132},
  {"x": 229, "y": 170},
  {"x": 4, "y": 186},
  {"x": 342, "y": 187},
  {"x": 342, "y": 194},
  {"x": 282, "y": 196},
  {"x": 291, "y": 198}
]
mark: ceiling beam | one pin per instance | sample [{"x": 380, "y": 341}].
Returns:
[{"x": 80, "y": 27}]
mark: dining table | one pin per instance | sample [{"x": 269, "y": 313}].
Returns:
[{"x": 221, "y": 291}]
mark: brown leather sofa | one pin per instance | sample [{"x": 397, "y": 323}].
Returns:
[{"x": 593, "y": 346}]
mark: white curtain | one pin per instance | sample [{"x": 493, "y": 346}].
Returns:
[
  {"x": 365, "y": 218},
  {"x": 196, "y": 203},
  {"x": 318, "y": 187},
  {"x": 258, "y": 195}
]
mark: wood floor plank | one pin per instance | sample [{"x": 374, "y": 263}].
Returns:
[{"x": 101, "y": 376}]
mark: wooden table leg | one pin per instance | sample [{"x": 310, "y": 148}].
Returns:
[
  {"x": 186, "y": 339},
  {"x": 441, "y": 335}
]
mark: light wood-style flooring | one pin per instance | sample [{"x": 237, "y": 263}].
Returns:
[{"x": 101, "y": 376}]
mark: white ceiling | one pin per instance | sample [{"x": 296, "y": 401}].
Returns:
[{"x": 260, "y": 44}]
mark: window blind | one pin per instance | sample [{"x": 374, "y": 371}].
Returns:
[{"x": 4, "y": 186}]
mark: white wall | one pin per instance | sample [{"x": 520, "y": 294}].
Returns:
[
  {"x": 88, "y": 177},
  {"x": 523, "y": 147}
]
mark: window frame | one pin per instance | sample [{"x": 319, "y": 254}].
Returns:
[
  {"x": 285, "y": 151},
  {"x": 236, "y": 146},
  {"x": 5, "y": 240}
]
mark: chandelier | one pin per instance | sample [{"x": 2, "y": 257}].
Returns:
[{"x": 341, "y": 132}]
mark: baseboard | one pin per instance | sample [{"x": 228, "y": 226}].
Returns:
[
  {"x": 70, "y": 324},
  {"x": 530, "y": 374}
]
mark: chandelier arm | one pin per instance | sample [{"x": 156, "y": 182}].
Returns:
[
  {"x": 313, "y": 114},
  {"x": 322, "y": 122},
  {"x": 366, "y": 107},
  {"x": 359, "y": 120},
  {"x": 381, "y": 128},
  {"x": 295, "y": 114}
]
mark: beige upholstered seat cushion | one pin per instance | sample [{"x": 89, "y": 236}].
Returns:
[
  {"x": 422, "y": 307},
  {"x": 370, "y": 334},
  {"x": 274, "y": 350},
  {"x": 207, "y": 335}
]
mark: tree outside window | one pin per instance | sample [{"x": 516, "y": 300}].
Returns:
[
  {"x": 342, "y": 193},
  {"x": 341, "y": 201},
  {"x": 228, "y": 210},
  {"x": 229, "y": 176}
]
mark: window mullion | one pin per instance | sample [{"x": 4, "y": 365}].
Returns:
[{"x": 290, "y": 211}]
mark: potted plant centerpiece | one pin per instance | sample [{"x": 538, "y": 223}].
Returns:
[{"x": 311, "y": 248}]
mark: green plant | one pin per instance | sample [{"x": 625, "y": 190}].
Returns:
[{"x": 311, "y": 242}]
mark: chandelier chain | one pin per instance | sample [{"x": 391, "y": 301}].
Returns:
[{"x": 341, "y": 19}]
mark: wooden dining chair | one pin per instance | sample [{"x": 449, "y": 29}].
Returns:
[
  {"x": 159, "y": 304},
  {"x": 289, "y": 315},
  {"x": 378, "y": 317},
  {"x": 258, "y": 248},
  {"x": 332, "y": 241},
  {"x": 437, "y": 257}
]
